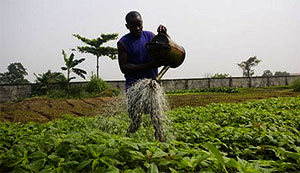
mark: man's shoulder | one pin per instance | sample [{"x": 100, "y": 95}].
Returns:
[
  {"x": 150, "y": 33},
  {"x": 124, "y": 37}
]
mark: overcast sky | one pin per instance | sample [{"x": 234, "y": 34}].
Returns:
[{"x": 217, "y": 34}]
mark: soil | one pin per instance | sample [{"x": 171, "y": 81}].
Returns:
[{"x": 41, "y": 109}]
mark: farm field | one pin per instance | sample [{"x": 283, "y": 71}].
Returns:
[
  {"x": 42, "y": 109},
  {"x": 255, "y": 131}
]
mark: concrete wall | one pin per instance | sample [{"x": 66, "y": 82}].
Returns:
[{"x": 12, "y": 92}]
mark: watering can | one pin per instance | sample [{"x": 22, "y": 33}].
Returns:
[{"x": 163, "y": 49}]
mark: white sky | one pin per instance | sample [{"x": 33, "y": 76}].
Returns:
[{"x": 217, "y": 34}]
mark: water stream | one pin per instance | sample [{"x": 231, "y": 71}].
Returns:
[{"x": 147, "y": 97}]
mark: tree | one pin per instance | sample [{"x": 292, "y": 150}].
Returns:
[
  {"x": 220, "y": 75},
  {"x": 95, "y": 47},
  {"x": 281, "y": 73},
  {"x": 267, "y": 73},
  {"x": 247, "y": 66},
  {"x": 44, "y": 80},
  {"x": 71, "y": 63},
  {"x": 15, "y": 74}
]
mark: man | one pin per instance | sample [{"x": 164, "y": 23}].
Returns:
[{"x": 134, "y": 61}]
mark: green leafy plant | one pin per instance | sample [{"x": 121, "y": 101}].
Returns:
[
  {"x": 44, "y": 80},
  {"x": 254, "y": 136},
  {"x": 220, "y": 75},
  {"x": 70, "y": 66},
  {"x": 296, "y": 85},
  {"x": 98, "y": 87},
  {"x": 223, "y": 90}
]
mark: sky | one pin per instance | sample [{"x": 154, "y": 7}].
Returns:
[{"x": 216, "y": 34}]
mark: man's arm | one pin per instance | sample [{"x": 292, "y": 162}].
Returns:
[{"x": 128, "y": 68}]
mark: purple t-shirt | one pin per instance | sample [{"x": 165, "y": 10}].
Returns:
[{"x": 137, "y": 54}]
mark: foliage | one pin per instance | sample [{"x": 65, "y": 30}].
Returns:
[
  {"x": 72, "y": 92},
  {"x": 70, "y": 64},
  {"x": 94, "y": 46},
  {"x": 45, "y": 79},
  {"x": 281, "y": 73},
  {"x": 220, "y": 75},
  {"x": 223, "y": 90},
  {"x": 255, "y": 136},
  {"x": 267, "y": 73},
  {"x": 247, "y": 66},
  {"x": 94, "y": 88},
  {"x": 15, "y": 74},
  {"x": 96, "y": 85},
  {"x": 296, "y": 85}
]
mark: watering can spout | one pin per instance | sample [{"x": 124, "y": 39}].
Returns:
[{"x": 162, "y": 72}]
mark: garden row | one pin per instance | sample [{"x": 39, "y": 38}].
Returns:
[{"x": 254, "y": 136}]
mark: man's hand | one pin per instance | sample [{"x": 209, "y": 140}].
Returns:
[{"x": 162, "y": 29}]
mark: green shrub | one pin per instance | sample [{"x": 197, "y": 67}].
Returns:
[
  {"x": 94, "y": 88},
  {"x": 72, "y": 92},
  {"x": 57, "y": 93},
  {"x": 44, "y": 80},
  {"x": 96, "y": 85},
  {"x": 296, "y": 85}
]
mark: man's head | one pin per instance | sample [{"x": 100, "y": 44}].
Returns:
[{"x": 134, "y": 23}]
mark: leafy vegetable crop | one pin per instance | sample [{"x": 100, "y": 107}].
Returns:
[
  {"x": 223, "y": 90},
  {"x": 255, "y": 136}
]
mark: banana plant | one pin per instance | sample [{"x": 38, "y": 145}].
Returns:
[{"x": 70, "y": 66}]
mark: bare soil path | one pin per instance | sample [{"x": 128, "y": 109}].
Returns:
[{"x": 41, "y": 109}]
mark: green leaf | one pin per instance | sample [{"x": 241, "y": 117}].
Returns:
[
  {"x": 37, "y": 155},
  {"x": 173, "y": 170},
  {"x": 36, "y": 165},
  {"x": 137, "y": 155},
  {"x": 71, "y": 60},
  {"x": 65, "y": 56},
  {"x": 112, "y": 169},
  {"x": 110, "y": 152},
  {"x": 131, "y": 144},
  {"x": 83, "y": 164},
  {"x": 159, "y": 154},
  {"x": 95, "y": 164},
  {"x": 69, "y": 163},
  {"x": 216, "y": 153},
  {"x": 55, "y": 158},
  {"x": 152, "y": 168},
  {"x": 71, "y": 78},
  {"x": 92, "y": 151}
]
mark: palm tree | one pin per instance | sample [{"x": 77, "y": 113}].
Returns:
[{"x": 71, "y": 63}]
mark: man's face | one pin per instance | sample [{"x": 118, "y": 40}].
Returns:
[{"x": 135, "y": 26}]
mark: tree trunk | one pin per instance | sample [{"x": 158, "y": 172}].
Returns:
[
  {"x": 98, "y": 67},
  {"x": 68, "y": 77}
]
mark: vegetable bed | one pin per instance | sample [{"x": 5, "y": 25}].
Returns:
[{"x": 254, "y": 136}]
